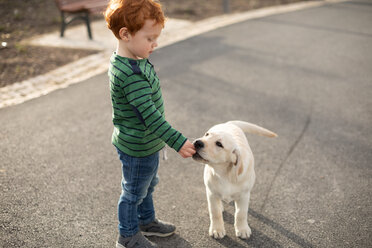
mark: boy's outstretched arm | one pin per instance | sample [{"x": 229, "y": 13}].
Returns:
[
  {"x": 187, "y": 150},
  {"x": 139, "y": 93}
]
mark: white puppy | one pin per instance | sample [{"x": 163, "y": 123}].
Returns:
[{"x": 228, "y": 172}]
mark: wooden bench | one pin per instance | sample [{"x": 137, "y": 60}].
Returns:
[{"x": 79, "y": 9}]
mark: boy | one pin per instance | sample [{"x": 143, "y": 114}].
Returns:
[{"x": 140, "y": 129}]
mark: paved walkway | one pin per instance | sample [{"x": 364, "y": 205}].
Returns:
[
  {"x": 304, "y": 74},
  {"x": 76, "y": 37}
]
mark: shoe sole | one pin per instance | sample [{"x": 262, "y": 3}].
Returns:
[{"x": 162, "y": 235}]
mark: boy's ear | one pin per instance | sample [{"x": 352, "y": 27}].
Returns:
[{"x": 124, "y": 34}]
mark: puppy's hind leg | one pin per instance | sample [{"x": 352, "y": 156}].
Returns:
[
  {"x": 242, "y": 230},
  {"x": 216, "y": 228}
]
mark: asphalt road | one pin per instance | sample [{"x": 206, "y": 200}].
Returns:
[{"x": 305, "y": 75}]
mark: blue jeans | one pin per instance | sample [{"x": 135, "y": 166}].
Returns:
[{"x": 135, "y": 205}]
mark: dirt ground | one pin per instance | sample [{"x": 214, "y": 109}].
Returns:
[{"x": 21, "y": 19}]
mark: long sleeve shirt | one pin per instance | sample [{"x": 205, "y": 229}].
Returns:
[{"x": 140, "y": 127}]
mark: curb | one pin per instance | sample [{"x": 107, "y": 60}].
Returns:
[
  {"x": 62, "y": 77},
  {"x": 95, "y": 64}
]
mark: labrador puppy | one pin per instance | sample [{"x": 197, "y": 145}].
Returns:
[{"x": 228, "y": 172}]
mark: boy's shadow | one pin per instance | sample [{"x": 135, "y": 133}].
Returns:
[{"x": 174, "y": 241}]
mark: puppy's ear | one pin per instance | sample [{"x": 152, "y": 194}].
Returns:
[{"x": 238, "y": 162}]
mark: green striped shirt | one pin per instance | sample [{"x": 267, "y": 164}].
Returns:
[{"x": 140, "y": 128}]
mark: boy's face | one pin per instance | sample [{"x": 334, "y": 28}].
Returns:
[{"x": 144, "y": 41}]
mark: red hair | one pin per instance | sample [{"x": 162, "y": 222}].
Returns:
[{"x": 132, "y": 15}]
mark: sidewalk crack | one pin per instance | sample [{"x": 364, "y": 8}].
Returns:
[{"x": 292, "y": 148}]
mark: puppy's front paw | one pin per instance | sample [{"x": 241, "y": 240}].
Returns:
[
  {"x": 217, "y": 232},
  {"x": 243, "y": 232}
]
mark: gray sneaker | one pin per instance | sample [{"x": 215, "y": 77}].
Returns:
[
  {"x": 136, "y": 241},
  {"x": 158, "y": 228}
]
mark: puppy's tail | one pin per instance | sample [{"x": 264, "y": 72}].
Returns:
[{"x": 252, "y": 128}]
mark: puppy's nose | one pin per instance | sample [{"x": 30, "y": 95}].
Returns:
[{"x": 198, "y": 144}]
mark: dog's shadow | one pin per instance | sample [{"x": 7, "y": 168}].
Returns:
[{"x": 259, "y": 239}]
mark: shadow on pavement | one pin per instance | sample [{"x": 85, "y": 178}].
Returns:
[
  {"x": 290, "y": 235},
  {"x": 173, "y": 241},
  {"x": 258, "y": 238}
]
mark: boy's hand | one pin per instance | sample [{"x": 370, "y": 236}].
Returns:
[{"x": 187, "y": 150}]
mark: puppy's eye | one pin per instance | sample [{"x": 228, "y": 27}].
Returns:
[
  {"x": 206, "y": 134},
  {"x": 219, "y": 144}
]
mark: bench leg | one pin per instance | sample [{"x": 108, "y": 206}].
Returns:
[
  {"x": 67, "y": 20},
  {"x": 87, "y": 21},
  {"x": 63, "y": 23}
]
